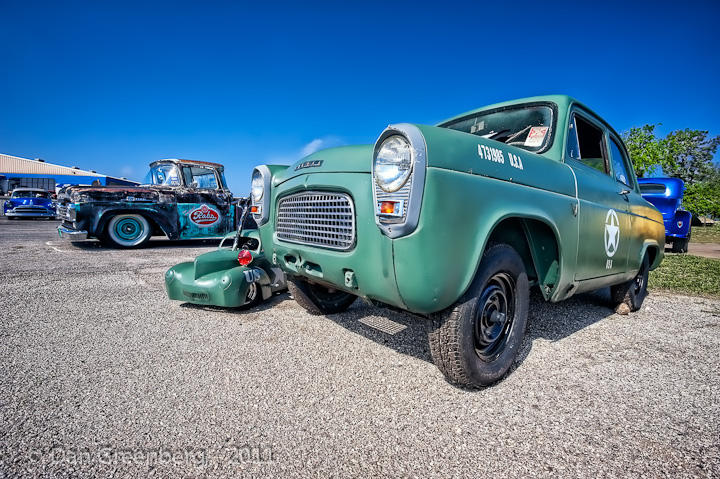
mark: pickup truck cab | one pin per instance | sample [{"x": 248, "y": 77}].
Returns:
[
  {"x": 457, "y": 221},
  {"x": 180, "y": 199}
]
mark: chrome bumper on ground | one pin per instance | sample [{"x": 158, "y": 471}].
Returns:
[{"x": 70, "y": 234}]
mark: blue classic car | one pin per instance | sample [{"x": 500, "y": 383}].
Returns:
[
  {"x": 29, "y": 202},
  {"x": 666, "y": 195}
]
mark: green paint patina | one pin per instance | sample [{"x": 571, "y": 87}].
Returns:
[{"x": 576, "y": 228}]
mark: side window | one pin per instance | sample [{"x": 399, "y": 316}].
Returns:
[
  {"x": 200, "y": 177},
  {"x": 619, "y": 163},
  {"x": 585, "y": 143}
]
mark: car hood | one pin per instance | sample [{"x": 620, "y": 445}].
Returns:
[
  {"x": 117, "y": 193},
  {"x": 342, "y": 159}
]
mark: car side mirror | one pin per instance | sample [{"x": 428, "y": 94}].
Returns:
[{"x": 194, "y": 184}]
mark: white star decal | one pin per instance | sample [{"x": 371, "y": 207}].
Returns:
[{"x": 612, "y": 233}]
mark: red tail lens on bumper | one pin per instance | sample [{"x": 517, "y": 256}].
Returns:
[{"x": 244, "y": 257}]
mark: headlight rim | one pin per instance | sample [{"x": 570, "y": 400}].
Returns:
[
  {"x": 409, "y": 171},
  {"x": 419, "y": 149},
  {"x": 252, "y": 185}
]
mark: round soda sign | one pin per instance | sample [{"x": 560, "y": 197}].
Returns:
[{"x": 204, "y": 216}]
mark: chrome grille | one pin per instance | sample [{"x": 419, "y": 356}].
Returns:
[
  {"x": 61, "y": 210},
  {"x": 317, "y": 218}
]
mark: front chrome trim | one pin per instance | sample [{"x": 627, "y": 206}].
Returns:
[
  {"x": 323, "y": 219},
  {"x": 416, "y": 181}
]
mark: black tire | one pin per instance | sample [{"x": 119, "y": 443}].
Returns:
[
  {"x": 318, "y": 299},
  {"x": 680, "y": 245},
  {"x": 631, "y": 293},
  {"x": 473, "y": 342}
]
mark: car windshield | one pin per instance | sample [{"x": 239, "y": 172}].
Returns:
[
  {"x": 30, "y": 194},
  {"x": 165, "y": 174},
  {"x": 524, "y": 126}
]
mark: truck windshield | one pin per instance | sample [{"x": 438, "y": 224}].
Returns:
[
  {"x": 164, "y": 175},
  {"x": 525, "y": 126}
]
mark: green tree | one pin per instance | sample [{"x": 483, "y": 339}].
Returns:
[
  {"x": 647, "y": 151},
  {"x": 703, "y": 198},
  {"x": 689, "y": 155}
]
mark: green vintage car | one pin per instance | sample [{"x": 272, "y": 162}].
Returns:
[
  {"x": 457, "y": 221},
  {"x": 229, "y": 277}
]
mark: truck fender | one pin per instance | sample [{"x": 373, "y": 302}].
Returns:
[{"x": 161, "y": 220}]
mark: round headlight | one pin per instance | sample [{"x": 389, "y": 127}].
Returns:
[
  {"x": 257, "y": 186},
  {"x": 393, "y": 163}
]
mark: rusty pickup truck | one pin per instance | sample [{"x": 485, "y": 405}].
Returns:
[{"x": 179, "y": 199}]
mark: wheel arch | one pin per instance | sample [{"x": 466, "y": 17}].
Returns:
[
  {"x": 536, "y": 241},
  {"x": 654, "y": 252}
]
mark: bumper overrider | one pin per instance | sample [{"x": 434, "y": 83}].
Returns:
[
  {"x": 71, "y": 234},
  {"x": 308, "y": 242}
]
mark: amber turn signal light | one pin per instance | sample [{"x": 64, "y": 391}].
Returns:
[{"x": 387, "y": 207}]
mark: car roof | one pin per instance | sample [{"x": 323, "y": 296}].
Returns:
[
  {"x": 179, "y": 161},
  {"x": 30, "y": 189}
]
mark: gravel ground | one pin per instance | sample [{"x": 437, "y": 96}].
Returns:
[{"x": 102, "y": 375}]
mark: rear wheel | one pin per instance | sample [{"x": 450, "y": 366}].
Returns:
[
  {"x": 317, "y": 299},
  {"x": 475, "y": 341},
  {"x": 629, "y": 296},
  {"x": 128, "y": 231},
  {"x": 680, "y": 245}
]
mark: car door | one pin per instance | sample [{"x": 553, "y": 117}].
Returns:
[
  {"x": 636, "y": 205},
  {"x": 602, "y": 212},
  {"x": 205, "y": 208}
]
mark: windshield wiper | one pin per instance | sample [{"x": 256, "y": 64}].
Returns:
[{"x": 493, "y": 135}]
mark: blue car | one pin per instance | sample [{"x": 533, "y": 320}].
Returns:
[
  {"x": 666, "y": 195},
  {"x": 29, "y": 203}
]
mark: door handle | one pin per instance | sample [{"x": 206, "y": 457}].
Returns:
[{"x": 624, "y": 192}]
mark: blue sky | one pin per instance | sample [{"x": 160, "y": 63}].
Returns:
[{"x": 112, "y": 86}]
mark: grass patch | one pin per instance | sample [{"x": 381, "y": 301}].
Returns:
[
  {"x": 706, "y": 234},
  {"x": 687, "y": 274}
]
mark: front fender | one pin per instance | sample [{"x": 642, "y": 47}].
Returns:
[
  {"x": 436, "y": 264},
  {"x": 163, "y": 216}
]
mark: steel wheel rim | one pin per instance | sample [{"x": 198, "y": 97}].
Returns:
[
  {"x": 128, "y": 229},
  {"x": 494, "y": 317}
]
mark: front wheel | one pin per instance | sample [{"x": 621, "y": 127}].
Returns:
[
  {"x": 475, "y": 341},
  {"x": 128, "y": 231},
  {"x": 317, "y": 299},
  {"x": 629, "y": 296},
  {"x": 253, "y": 296}
]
